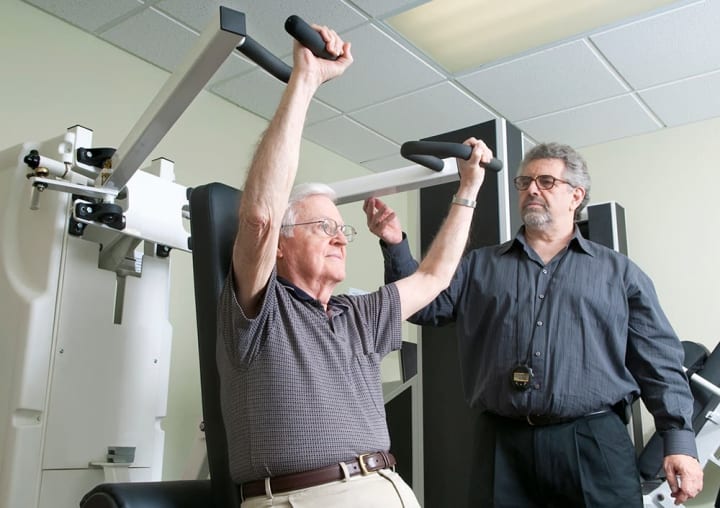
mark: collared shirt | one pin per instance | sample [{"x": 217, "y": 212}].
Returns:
[
  {"x": 588, "y": 324},
  {"x": 300, "y": 387}
]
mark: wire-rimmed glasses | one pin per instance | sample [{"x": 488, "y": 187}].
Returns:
[{"x": 330, "y": 227}]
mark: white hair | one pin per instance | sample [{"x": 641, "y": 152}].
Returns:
[{"x": 299, "y": 193}]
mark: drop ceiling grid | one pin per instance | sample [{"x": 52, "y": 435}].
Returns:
[
  {"x": 382, "y": 69},
  {"x": 602, "y": 121},
  {"x": 548, "y": 81},
  {"x": 666, "y": 47},
  {"x": 424, "y": 113},
  {"x": 667, "y": 59},
  {"x": 348, "y": 138},
  {"x": 685, "y": 101},
  {"x": 88, "y": 16},
  {"x": 154, "y": 37}
]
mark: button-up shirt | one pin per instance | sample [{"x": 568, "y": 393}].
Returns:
[{"x": 588, "y": 324}]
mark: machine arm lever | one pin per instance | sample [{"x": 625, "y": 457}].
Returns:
[
  {"x": 301, "y": 31},
  {"x": 431, "y": 153}
]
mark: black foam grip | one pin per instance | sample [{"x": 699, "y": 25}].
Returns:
[
  {"x": 307, "y": 36},
  {"x": 442, "y": 150}
]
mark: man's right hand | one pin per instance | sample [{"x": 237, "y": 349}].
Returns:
[
  {"x": 321, "y": 68},
  {"x": 382, "y": 221}
]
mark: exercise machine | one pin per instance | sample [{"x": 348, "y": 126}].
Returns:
[{"x": 86, "y": 241}]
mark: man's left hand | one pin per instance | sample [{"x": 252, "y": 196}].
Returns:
[{"x": 684, "y": 475}]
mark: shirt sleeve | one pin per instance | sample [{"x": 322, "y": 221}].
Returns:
[
  {"x": 655, "y": 356},
  {"x": 399, "y": 262}
]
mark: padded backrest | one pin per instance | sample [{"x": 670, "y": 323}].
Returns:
[{"x": 213, "y": 225}]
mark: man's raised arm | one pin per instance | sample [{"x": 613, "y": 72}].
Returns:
[
  {"x": 437, "y": 268},
  {"x": 273, "y": 169}
]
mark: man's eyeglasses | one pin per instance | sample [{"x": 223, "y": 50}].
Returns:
[
  {"x": 543, "y": 182},
  {"x": 330, "y": 227}
]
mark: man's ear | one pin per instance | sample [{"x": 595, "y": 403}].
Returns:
[{"x": 578, "y": 196}]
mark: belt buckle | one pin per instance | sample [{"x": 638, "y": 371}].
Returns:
[{"x": 363, "y": 465}]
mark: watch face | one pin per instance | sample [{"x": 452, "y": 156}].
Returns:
[{"x": 521, "y": 377}]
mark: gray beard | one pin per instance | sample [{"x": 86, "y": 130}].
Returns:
[{"x": 538, "y": 220}]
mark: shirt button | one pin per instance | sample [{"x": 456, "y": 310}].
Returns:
[
  {"x": 539, "y": 323},
  {"x": 537, "y": 386},
  {"x": 541, "y": 296},
  {"x": 537, "y": 353},
  {"x": 544, "y": 270}
]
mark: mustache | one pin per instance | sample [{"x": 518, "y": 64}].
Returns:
[{"x": 534, "y": 201}]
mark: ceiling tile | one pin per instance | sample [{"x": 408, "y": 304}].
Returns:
[
  {"x": 545, "y": 82},
  {"x": 667, "y": 47},
  {"x": 235, "y": 65},
  {"x": 382, "y": 8},
  {"x": 596, "y": 123},
  {"x": 685, "y": 101},
  {"x": 433, "y": 110},
  {"x": 88, "y": 15},
  {"x": 153, "y": 37},
  {"x": 265, "y": 19},
  {"x": 388, "y": 163},
  {"x": 382, "y": 69},
  {"x": 350, "y": 140},
  {"x": 259, "y": 92}
]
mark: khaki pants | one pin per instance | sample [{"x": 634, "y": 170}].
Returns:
[{"x": 383, "y": 489}]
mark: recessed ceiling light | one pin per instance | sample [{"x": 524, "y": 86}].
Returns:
[{"x": 464, "y": 34}]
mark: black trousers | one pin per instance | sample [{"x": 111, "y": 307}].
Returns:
[{"x": 587, "y": 463}]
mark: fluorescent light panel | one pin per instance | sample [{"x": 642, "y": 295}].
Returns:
[{"x": 464, "y": 34}]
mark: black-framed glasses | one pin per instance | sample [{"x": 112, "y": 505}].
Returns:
[
  {"x": 330, "y": 227},
  {"x": 543, "y": 182}
]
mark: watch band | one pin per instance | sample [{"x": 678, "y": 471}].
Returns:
[{"x": 470, "y": 203}]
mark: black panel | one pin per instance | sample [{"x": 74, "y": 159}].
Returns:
[
  {"x": 448, "y": 422},
  {"x": 606, "y": 226},
  {"x": 398, "y": 412},
  {"x": 408, "y": 360},
  {"x": 514, "y": 156}
]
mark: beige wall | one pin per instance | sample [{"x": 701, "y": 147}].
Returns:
[{"x": 55, "y": 76}]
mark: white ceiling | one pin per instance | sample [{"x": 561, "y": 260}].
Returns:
[{"x": 643, "y": 74}]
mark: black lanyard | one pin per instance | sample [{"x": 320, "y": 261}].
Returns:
[{"x": 521, "y": 375}]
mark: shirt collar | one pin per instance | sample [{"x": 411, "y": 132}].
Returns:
[
  {"x": 577, "y": 241},
  {"x": 301, "y": 295}
]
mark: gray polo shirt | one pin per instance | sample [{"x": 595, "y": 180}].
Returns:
[{"x": 301, "y": 388}]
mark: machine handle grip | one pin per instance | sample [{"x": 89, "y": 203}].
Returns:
[
  {"x": 431, "y": 153},
  {"x": 308, "y": 37}
]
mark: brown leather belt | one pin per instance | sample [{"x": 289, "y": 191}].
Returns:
[{"x": 364, "y": 464}]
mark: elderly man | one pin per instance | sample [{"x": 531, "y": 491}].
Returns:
[
  {"x": 556, "y": 336},
  {"x": 299, "y": 367}
]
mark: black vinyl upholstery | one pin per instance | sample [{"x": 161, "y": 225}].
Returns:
[
  {"x": 213, "y": 224},
  {"x": 175, "y": 494}
]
